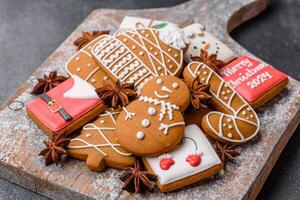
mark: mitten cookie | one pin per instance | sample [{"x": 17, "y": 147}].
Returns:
[
  {"x": 255, "y": 81},
  {"x": 192, "y": 160},
  {"x": 201, "y": 39},
  {"x": 97, "y": 144},
  {"x": 153, "y": 124},
  {"x": 137, "y": 55},
  {"x": 235, "y": 121}
]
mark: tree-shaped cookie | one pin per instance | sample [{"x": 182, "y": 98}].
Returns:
[
  {"x": 97, "y": 144},
  {"x": 153, "y": 124}
]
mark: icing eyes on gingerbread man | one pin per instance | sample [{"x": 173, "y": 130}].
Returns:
[{"x": 153, "y": 124}]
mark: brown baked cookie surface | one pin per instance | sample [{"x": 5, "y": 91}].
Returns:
[
  {"x": 154, "y": 124},
  {"x": 235, "y": 121},
  {"x": 97, "y": 144}
]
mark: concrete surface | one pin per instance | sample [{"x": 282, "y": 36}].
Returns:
[{"x": 31, "y": 29}]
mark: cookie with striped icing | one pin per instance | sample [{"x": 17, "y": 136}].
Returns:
[{"x": 234, "y": 120}]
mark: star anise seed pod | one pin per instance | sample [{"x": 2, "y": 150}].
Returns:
[
  {"x": 55, "y": 148},
  {"x": 47, "y": 83},
  {"x": 87, "y": 37},
  {"x": 210, "y": 60},
  {"x": 199, "y": 93},
  {"x": 226, "y": 152},
  {"x": 136, "y": 180},
  {"x": 115, "y": 95}
]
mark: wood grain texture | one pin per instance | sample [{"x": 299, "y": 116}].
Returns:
[{"x": 21, "y": 140}]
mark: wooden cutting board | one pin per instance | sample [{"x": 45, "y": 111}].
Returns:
[{"x": 21, "y": 140}]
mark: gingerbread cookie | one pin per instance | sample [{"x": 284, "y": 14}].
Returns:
[
  {"x": 201, "y": 39},
  {"x": 97, "y": 144},
  {"x": 235, "y": 121},
  {"x": 194, "y": 159},
  {"x": 257, "y": 82},
  {"x": 153, "y": 124},
  {"x": 66, "y": 107}
]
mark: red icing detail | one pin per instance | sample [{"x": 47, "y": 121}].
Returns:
[
  {"x": 75, "y": 107},
  {"x": 166, "y": 163},
  {"x": 251, "y": 78},
  {"x": 194, "y": 160}
]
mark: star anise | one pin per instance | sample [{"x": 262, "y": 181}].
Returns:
[
  {"x": 226, "y": 152},
  {"x": 210, "y": 60},
  {"x": 116, "y": 94},
  {"x": 136, "y": 180},
  {"x": 55, "y": 148},
  {"x": 87, "y": 37},
  {"x": 199, "y": 93},
  {"x": 47, "y": 83}
]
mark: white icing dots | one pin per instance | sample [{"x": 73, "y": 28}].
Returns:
[
  {"x": 141, "y": 53},
  {"x": 230, "y": 127},
  {"x": 143, "y": 31},
  {"x": 145, "y": 123},
  {"x": 159, "y": 68},
  {"x": 169, "y": 50},
  {"x": 77, "y": 58},
  {"x": 151, "y": 48},
  {"x": 147, "y": 35},
  {"x": 105, "y": 78},
  {"x": 89, "y": 64},
  {"x": 251, "y": 116},
  {"x": 225, "y": 85},
  {"x": 198, "y": 72},
  {"x": 133, "y": 35},
  {"x": 229, "y": 135},
  {"x": 168, "y": 61},
  {"x": 175, "y": 85},
  {"x": 176, "y": 55},
  {"x": 225, "y": 98},
  {"x": 224, "y": 124},
  {"x": 101, "y": 121},
  {"x": 228, "y": 120},
  {"x": 202, "y": 79},
  {"x": 78, "y": 69},
  {"x": 140, "y": 135},
  {"x": 88, "y": 135},
  {"x": 125, "y": 40},
  {"x": 228, "y": 91},
  {"x": 151, "y": 111},
  {"x": 159, "y": 81},
  {"x": 248, "y": 109},
  {"x": 155, "y": 53},
  {"x": 171, "y": 66},
  {"x": 133, "y": 47},
  {"x": 223, "y": 93},
  {"x": 205, "y": 72},
  {"x": 93, "y": 80},
  {"x": 244, "y": 112}
]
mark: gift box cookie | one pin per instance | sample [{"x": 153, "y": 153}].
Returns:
[
  {"x": 255, "y": 81},
  {"x": 66, "y": 107},
  {"x": 194, "y": 159}
]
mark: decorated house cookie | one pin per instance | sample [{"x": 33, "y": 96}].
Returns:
[
  {"x": 201, "y": 39},
  {"x": 153, "y": 124},
  {"x": 257, "y": 82},
  {"x": 235, "y": 121},
  {"x": 97, "y": 144},
  {"x": 194, "y": 159},
  {"x": 66, "y": 107}
]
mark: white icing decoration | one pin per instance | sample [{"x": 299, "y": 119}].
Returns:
[
  {"x": 81, "y": 90},
  {"x": 88, "y": 135},
  {"x": 166, "y": 127},
  {"x": 193, "y": 140},
  {"x": 102, "y": 121},
  {"x": 166, "y": 89},
  {"x": 166, "y": 107},
  {"x": 151, "y": 111},
  {"x": 212, "y": 44},
  {"x": 159, "y": 81},
  {"x": 176, "y": 38},
  {"x": 235, "y": 111},
  {"x": 175, "y": 85},
  {"x": 129, "y": 115},
  {"x": 140, "y": 135},
  {"x": 166, "y": 96},
  {"x": 93, "y": 127},
  {"x": 145, "y": 123}
]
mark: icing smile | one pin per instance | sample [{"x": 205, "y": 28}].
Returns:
[{"x": 160, "y": 96}]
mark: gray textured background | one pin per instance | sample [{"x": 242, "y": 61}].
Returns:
[{"x": 30, "y": 30}]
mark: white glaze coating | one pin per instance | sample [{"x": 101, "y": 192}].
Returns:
[{"x": 193, "y": 140}]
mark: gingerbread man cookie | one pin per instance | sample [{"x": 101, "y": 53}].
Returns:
[
  {"x": 97, "y": 144},
  {"x": 153, "y": 124},
  {"x": 235, "y": 121}
]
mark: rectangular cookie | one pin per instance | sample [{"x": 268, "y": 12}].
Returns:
[
  {"x": 61, "y": 110},
  {"x": 255, "y": 81},
  {"x": 191, "y": 161}
]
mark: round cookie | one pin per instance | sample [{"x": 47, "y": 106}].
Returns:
[{"x": 154, "y": 124}]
